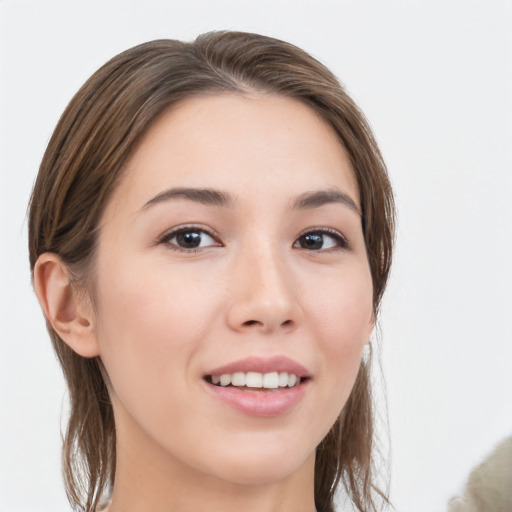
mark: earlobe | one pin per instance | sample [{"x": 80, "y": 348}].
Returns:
[{"x": 71, "y": 319}]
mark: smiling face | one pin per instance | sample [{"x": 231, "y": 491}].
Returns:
[{"x": 232, "y": 252}]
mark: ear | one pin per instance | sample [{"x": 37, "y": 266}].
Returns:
[{"x": 71, "y": 319}]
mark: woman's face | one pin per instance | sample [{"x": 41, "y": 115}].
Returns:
[{"x": 232, "y": 249}]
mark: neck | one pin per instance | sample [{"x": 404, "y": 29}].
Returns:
[
  {"x": 148, "y": 479},
  {"x": 206, "y": 496}
]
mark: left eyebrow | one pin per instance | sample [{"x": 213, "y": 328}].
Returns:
[
  {"x": 206, "y": 196},
  {"x": 319, "y": 198}
]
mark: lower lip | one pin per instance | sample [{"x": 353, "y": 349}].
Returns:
[{"x": 260, "y": 404}]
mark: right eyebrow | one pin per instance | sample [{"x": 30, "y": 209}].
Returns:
[
  {"x": 206, "y": 196},
  {"x": 318, "y": 198}
]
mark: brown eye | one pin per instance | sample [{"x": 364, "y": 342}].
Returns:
[
  {"x": 321, "y": 240},
  {"x": 189, "y": 239},
  {"x": 313, "y": 241}
]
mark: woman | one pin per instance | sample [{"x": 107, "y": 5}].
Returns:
[{"x": 210, "y": 237}]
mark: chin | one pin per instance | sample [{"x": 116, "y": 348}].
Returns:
[
  {"x": 264, "y": 461},
  {"x": 261, "y": 471}
]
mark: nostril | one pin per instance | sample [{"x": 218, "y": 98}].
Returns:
[{"x": 248, "y": 323}]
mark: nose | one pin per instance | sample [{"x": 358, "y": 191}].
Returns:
[{"x": 264, "y": 294}]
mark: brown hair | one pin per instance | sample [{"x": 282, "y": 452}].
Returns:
[{"x": 95, "y": 135}]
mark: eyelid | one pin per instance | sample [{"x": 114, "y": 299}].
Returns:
[
  {"x": 334, "y": 233},
  {"x": 171, "y": 233}
]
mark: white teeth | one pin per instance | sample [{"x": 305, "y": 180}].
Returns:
[
  {"x": 225, "y": 379},
  {"x": 238, "y": 379},
  {"x": 254, "y": 380},
  {"x": 272, "y": 380}
]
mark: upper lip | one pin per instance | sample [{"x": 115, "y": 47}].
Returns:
[{"x": 262, "y": 365}]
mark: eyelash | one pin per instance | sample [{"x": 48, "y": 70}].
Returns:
[
  {"x": 165, "y": 239},
  {"x": 341, "y": 242}
]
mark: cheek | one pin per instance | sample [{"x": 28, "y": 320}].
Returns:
[
  {"x": 154, "y": 299},
  {"x": 343, "y": 309},
  {"x": 343, "y": 318},
  {"x": 151, "y": 322}
]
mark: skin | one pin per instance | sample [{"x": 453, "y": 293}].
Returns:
[{"x": 164, "y": 316}]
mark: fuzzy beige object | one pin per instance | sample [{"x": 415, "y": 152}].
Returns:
[{"x": 489, "y": 486}]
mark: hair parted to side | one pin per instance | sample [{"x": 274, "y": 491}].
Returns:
[{"x": 82, "y": 164}]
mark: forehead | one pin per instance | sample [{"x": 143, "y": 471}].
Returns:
[{"x": 256, "y": 144}]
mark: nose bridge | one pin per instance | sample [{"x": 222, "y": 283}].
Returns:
[{"x": 264, "y": 289}]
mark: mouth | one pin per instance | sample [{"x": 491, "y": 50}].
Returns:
[
  {"x": 259, "y": 387},
  {"x": 256, "y": 380}
]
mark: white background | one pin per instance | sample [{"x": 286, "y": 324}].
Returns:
[{"x": 435, "y": 80}]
